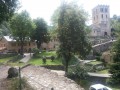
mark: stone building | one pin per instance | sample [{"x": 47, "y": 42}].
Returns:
[
  {"x": 101, "y": 21},
  {"x": 7, "y": 43}
]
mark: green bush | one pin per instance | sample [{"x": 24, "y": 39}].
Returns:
[
  {"x": 35, "y": 51},
  {"x": 115, "y": 71},
  {"x": 44, "y": 60},
  {"x": 6, "y": 55},
  {"x": 78, "y": 72},
  {"x": 52, "y": 58},
  {"x": 98, "y": 58}
]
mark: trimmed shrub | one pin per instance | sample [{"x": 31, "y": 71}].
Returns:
[
  {"x": 12, "y": 72},
  {"x": 52, "y": 58},
  {"x": 44, "y": 60}
]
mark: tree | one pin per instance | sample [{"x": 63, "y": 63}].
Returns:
[
  {"x": 40, "y": 34},
  {"x": 115, "y": 66},
  {"x": 54, "y": 20},
  {"x": 21, "y": 28},
  {"x": 7, "y": 9},
  {"x": 4, "y": 29},
  {"x": 115, "y": 24},
  {"x": 71, "y": 33}
]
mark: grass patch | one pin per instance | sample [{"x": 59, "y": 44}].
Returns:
[
  {"x": 14, "y": 61},
  {"x": 95, "y": 62},
  {"x": 14, "y": 84},
  {"x": 103, "y": 71},
  {"x": 58, "y": 61},
  {"x": 48, "y": 53},
  {"x": 4, "y": 60},
  {"x": 15, "y": 64},
  {"x": 39, "y": 61}
]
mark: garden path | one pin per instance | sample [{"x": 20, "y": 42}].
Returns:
[
  {"x": 26, "y": 58},
  {"x": 43, "y": 79},
  {"x": 3, "y": 76},
  {"x": 99, "y": 75}
]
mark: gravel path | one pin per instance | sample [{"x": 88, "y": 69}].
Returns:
[
  {"x": 26, "y": 58},
  {"x": 3, "y": 76},
  {"x": 43, "y": 79}
]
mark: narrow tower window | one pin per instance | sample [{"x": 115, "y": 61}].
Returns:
[
  {"x": 106, "y": 10},
  {"x": 106, "y": 16},
  {"x": 94, "y": 18},
  {"x": 101, "y": 9},
  {"x": 102, "y": 16}
]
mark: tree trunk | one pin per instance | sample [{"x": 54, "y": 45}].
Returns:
[
  {"x": 67, "y": 59},
  {"x": 66, "y": 67},
  {"x": 38, "y": 45},
  {"x": 21, "y": 51}
]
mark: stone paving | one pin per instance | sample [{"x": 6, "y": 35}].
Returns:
[
  {"x": 43, "y": 79},
  {"x": 99, "y": 75},
  {"x": 26, "y": 58},
  {"x": 3, "y": 76}
]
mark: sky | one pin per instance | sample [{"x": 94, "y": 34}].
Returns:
[{"x": 45, "y": 8}]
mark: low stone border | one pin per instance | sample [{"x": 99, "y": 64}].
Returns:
[
  {"x": 25, "y": 66},
  {"x": 54, "y": 67}
]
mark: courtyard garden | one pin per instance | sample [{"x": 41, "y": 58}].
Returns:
[
  {"x": 45, "y": 58},
  {"x": 37, "y": 60}
]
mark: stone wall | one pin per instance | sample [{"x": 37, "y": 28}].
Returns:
[{"x": 102, "y": 47}]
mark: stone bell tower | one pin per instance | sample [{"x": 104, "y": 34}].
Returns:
[{"x": 101, "y": 20}]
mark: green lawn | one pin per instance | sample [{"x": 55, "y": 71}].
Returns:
[
  {"x": 103, "y": 71},
  {"x": 4, "y": 60},
  {"x": 95, "y": 62},
  {"x": 15, "y": 63},
  {"x": 38, "y": 61},
  {"x": 48, "y": 53}
]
